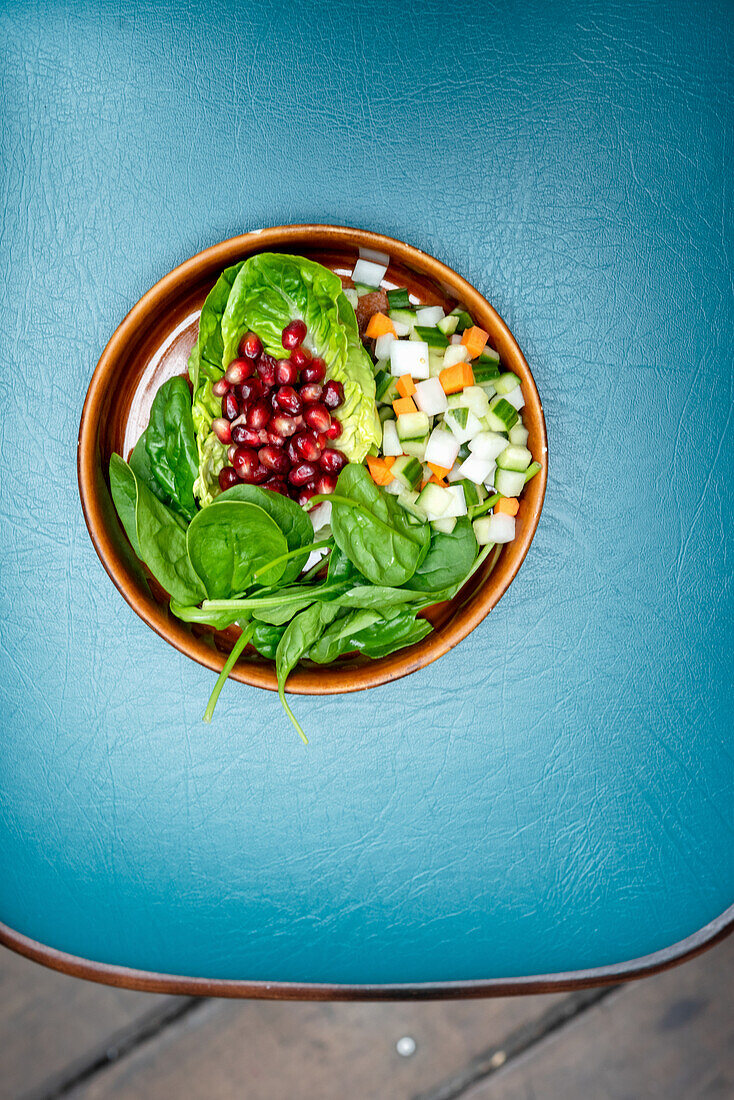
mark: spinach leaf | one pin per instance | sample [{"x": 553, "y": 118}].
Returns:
[
  {"x": 266, "y": 638},
  {"x": 449, "y": 558},
  {"x": 171, "y": 446},
  {"x": 396, "y": 633},
  {"x": 228, "y": 542},
  {"x": 219, "y": 619},
  {"x": 141, "y": 467},
  {"x": 340, "y": 567},
  {"x": 336, "y": 639},
  {"x": 294, "y": 523},
  {"x": 373, "y": 531},
  {"x": 298, "y": 637},
  {"x": 124, "y": 489}
]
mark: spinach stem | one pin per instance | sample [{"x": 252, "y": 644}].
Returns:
[
  {"x": 229, "y": 664},
  {"x": 291, "y": 554},
  {"x": 292, "y": 716}
]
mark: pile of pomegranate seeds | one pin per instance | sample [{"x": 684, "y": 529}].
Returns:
[{"x": 278, "y": 419}]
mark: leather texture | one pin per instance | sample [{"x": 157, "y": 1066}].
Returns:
[{"x": 554, "y": 793}]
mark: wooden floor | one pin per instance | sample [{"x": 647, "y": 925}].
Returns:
[{"x": 670, "y": 1037}]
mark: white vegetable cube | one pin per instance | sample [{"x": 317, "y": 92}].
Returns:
[
  {"x": 383, "y": 344},
  {"x": 474, "y": 398},
  {"x": 442, "y": 449},
  {"x": 430, "y": 398},
  {"x": 409, "y": 357},
  {"x": 374, "y": 257},
  {"x": 489, "y": 479},
  {"x": 455, "y": 473},
  {"x": 487, "y": 445},
  {"x": 463, "y": 424},
  {"x": 509, "y": 482},
  {"x": 476, "y": 469},
  {"x": 455, "y": 339},
  {"x": 429, "y": 315},
  {"x": 369, "y": 273},
  {"x": 320, "y": 516},
  {"x": 391, "y": 445},
  {"x": 494, "y": 528},
  {"x": 401, "y": 329},
  {"x": 457, "y": 507},
  {"x": 515, "y": 397},
  {"x": 455, "y": 353}
]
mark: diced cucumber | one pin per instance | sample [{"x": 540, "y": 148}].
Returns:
[
  {"x": 383, "y": 344},
  {"x": 432, "y": 336},
  {"x": 464, "y": 451},
  {"x": 473, "y": 493},
  {"x": 455, "y": 353},
  {"x": 412, "y": 425},
  {"x": 488, "y": 389},
  {"x": 390, "y": 442},
  {"x": 463, "y": 424},
  {"x": 506, "y": 382},
  {"x": 409, "y": 357},
  {"x": 434, "y": 501},
  {"x": 435, "y": 362},
  {"x": 516, "y": 398},
  {"x": 429, "y": 397},
  {"x": 509, "y": 482},
  {"x": 490, "y": 355},
  {"x": 403, "y": 317},
  {"x": 454, "y": 401},
  {"x": 352, "y": 297},
  {"x": 444, "y": 526},
  {"x": 442, "y": 449},
  {"x": 416, "y": 447},
  {"x": 501, "y": 416},
  {"x": 448, "y": 325},
  {"x": 474, "y": 398},
  {"x": 514, "y": 458},
  {"x": 407, "y": 470},
  {"x": 398, "y": 299},
  {"x": 429, "y": 315},
  {"x": 463, "y": 319},
  {"x": 488, "y": 445},
  {"x": 364, "y": 288},
  {"x": 386, "y": 387},
  {"x": 485, "y": 370},
  {"x": 386, "y": 412},
  {"x": 519, "y": 434},
  {"x": 494, "y": 529}
]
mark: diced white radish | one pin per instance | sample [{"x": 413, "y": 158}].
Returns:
[
  {"x": 320, "y": 516},
  {"x": 391, "y": 445},
  {"x": 474, "y": 398},
  {"x": 401, "y": 329},
  {"x": 430, "y": 398},
  {"x": 429, "y": 315},
  {"x": 476, "y": 469},
  {"x": 442, "y": 448},
  {"x": 458, "y": 505},
  {"x": 468, "y": 431},
  {"x": 313, "y": 557},
  {"x": 369, "y": 273},
  {"x": 487, "y": 445},
  {"x": 515, "y": 397},
  {"x": 455, "y": 473},
  {"x": 495, "y": 528},
  {"x": 455, "y": 339},
  {"x": 374, "y": 257},
  {"x": 351, "y": 296},
  {"x": 455, "y": 353},
  {"x": 409, "y": 357},
  {"x": 394, "y": 488},
  {"x": 489, "y": 479},
  {"x": 383, "y": 344}
]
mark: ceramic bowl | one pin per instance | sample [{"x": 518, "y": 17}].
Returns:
[{"x": 153, "y": 343}]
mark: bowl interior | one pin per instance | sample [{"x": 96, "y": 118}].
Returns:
[{"x": 153, "y": 343}]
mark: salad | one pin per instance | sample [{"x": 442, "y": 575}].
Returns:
[{"x": 337, "y": 459}]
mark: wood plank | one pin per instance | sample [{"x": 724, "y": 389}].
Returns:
[
  {"x": 667, "y": 1038},
  {"x": 273, "y": 1050},
  {"x": 51, "y": 1025}
]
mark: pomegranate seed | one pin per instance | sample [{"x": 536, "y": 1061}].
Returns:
[
  {"x": 333, "y": 394},
  {"x": 276, "y": 485},
  {"x": 230, "y": 406},
  {"x": 283, "y": 425},
  {"x": 227, "y": 478},
  {"x": 258, "y": 414},
  {"x": 335, "y": 429},
  {"x": 266, "y": 370},
  {"x": 305, "y": 494},
  {"x": 286, "y": 372},
  {"x": 307, "y": 447},
  {"x": 231, "y": 453},
  {"x": 238, "y": 370},
  {"x": 222, "y": 430},
  {"x": 326, "y": 483},
  {"x": 311, "y": 392},
  {"x": 288, "y": 400},
  {"x": 314, "y": 372},
  {"x": 332, "y": 461},
  {"x": 294, "y": 334},
  {"x": 260, "y": 474},
  {"x": 251, "y": 345},
  {"x": 244, "y": 436},
  {"x": 300, "y": 356},
  {"x": 272, "y": 439},
  {"x": 221, "y": 387},
  {"x": 244, "y": 461},
  {"x": 250, "y": 390},
  {"x": 290, "y": 449},
  {"x": 274, "y": 459},
  {"x": 302, "y": 473},
  {"x": 321, "y": 439},
  {"x": 317, "y": 417}
]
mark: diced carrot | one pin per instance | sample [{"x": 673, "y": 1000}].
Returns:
[
  {"x": 455, "y": 378},
  {"x": 439, "y": 471},
  {"x": 406, "y": 385},
  {"x": 506, "y": 506},
  {"x": 404, "y": 405},
  {"x": 379, "y": 470},
  {"x": 388, "y": 460},
  {"x": 474, "y": 340},
  {"x": 379, "y": 325},
  {"x": 433, "y": 480}
]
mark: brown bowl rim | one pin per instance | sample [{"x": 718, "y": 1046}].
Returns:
[{"x": 334, "y": 679}]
